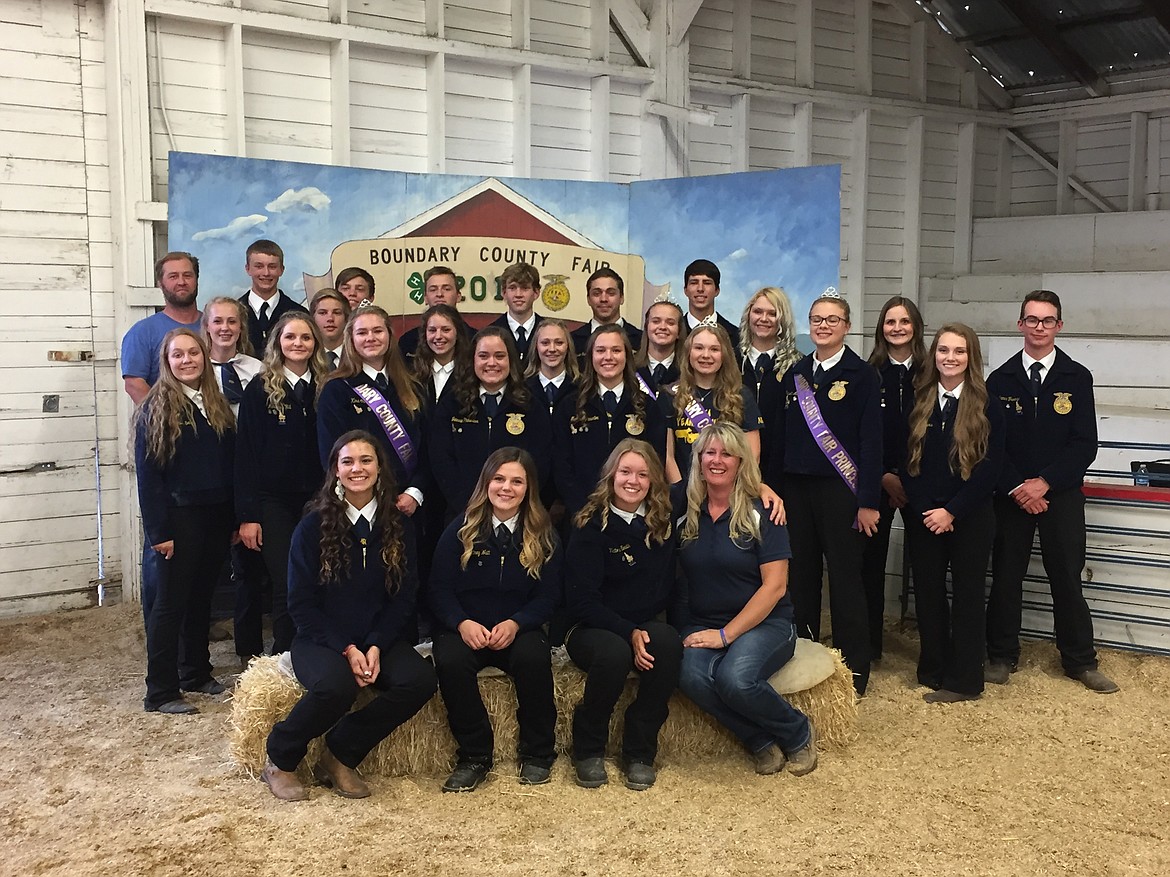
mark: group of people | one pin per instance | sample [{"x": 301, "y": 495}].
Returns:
[{"x": 504, "y": 490}]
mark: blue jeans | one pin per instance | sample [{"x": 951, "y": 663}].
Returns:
[{"x": 732, "y": 685}]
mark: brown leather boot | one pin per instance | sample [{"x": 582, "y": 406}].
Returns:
[
  {"x": 345, "y": 781},
  {"x": 283, "y": 783}
]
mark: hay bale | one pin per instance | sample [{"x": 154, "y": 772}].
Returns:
[{"x": 424, "y": 746}]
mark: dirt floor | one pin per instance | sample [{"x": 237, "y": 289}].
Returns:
[{"x": 1039, "y": 777}]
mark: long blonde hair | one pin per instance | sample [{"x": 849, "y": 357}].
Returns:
[
  {"x": 351, "y": 363},
  {"x": 744, "y": 492},
  {"x": 273, "y": 374},
  {"x": 971, "y": 432},
  {"x": 642, "y": 356},
  {"x": 166, "y": 409},
  {"x": 244, "y": 342},
  {"x": 727, "y": 398},
  {"x": 539, "y": 539},
  {"x": 658, "y": 506},
  {"x": 572, "y": 370},
  {"x": 784, "y": 352}
]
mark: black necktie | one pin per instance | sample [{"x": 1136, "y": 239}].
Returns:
[
  {"x": 1036, "y": 369},
  {"x": 818, "y": 374},
  {"x": 550, "y": 390},
  {"x": 233, "y": 390},
  {"x": 380, "y": 381},
  {"x": 301, "y": 391},
  {"x": 948, "y": 408},
  {"x": 332, "y": 357},
  {"x": 522, "y": 341},
  {"x": 610, "y": 401},
  {"x": 491, "y": 404},
  {"x": 362, "y": 527},
  {"x": 763, "y": 365},
  {"x": 658, "y": 373},
  {"x": 262, "y": 321},
  {"x": 503, "y": 537}
]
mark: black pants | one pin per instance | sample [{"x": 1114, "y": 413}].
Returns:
[
  {"x": 404, "y": 685},
  {"x": 873, "y": 575},
  {"x": 529, "y": 663},
  {"x": 951, "y": 634},
  {"x": 177, "y": 655},
  {"x": 279, "y": 516},
  {"x": 821, "y": 516},
  {"x": 608, "y": 660},
  {"x": 1062, "y": 548}
]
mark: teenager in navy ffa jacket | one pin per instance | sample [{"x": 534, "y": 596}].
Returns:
[
  {"x": 495, "y": 580},
  {"x": 552, "y": 374},
  {"x": 658, "y": 357},
  {"x": 278, "y": 468},
  {"x": 265, "y": 302},
  {"x": 446, "y": 343},
  {"x": 352, "y": 590},
  {"x": 608, "y": 407},
  {"x": 953, "y": 458},
  {"x": 605, "y": 292},
  {"x": 826, "y": 519},
  {"x": 183, "y": 452},
  {"x": 709, "y": 387},
  {"x": 371, "y": 362},
  {"x": 898, "y": 354},
  {"x": 487, "y": 408},
  {"x": 767, "y": 339},
  {"x": 619, "y": 582},
  {"x": 520, "y": 286},
  {"x": 1051, "y": 440}
]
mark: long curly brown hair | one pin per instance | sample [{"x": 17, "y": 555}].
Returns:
[
  {"x": 424, "y": 357},
  {"x": 972, "y": 430},
  {"x": 658, "y": 507},
  {"x": 539, "y": 540},
  {"x": 351, "y": 363},
  {"x": 466, "y": 384},
  {"x": 880, "y": 354},
  {"x": 728, "y": 396},
  {"x": 165, "y": 409},
  {"x": 336, "y": 538},
  {"x": 590, "y": 383},
  {"x": 273, "y": 374}
]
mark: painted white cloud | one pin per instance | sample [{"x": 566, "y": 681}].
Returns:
[
  {"x": 236, "y": 227},
  {"x": 736, "y": 255},
  {"x": 308, "y": 198}
]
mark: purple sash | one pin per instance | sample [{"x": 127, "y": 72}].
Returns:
[
  {"x": 697, "y": 415},
  {"x": 834, "y": 452},
  {"x": 395, "y": 432},
  {"x": 645, "y": 386}
]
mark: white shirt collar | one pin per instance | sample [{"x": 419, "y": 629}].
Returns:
[
  {"x": 906, "y": 365},
  {"x": 293, "y": 378},
  {"x": 957, "y": 392},
  {"x": 372, "y": 372},
  {"x": 483, "y": 391},
  {"x": 665, "y": 363},
  {"x": 594, "y": 325},
  {"x": 527, "y": 324},
  {"x": 440, "y": 369},
  {"x": 367, "y": 511},
  {"x": 628, "y": 517},
  {"x": 753, "y": 355},
  {"x": 511, "y": 523},
  {"x": 830, "y": 362},
  {"x": 556, "y": 382},
  {"x": 693, "y": 321},
  {"x": 1045, "y": 363},
  {"x": 337, "y": 351},
  {"x": 617, "y": 391},
  {"x": 255, "y": 302},
  {"x": 196, "y": 397}
]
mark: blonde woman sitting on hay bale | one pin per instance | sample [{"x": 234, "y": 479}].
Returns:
[
  {"x": 737, "y": 619},
  {"x": 352, "y": 588}
]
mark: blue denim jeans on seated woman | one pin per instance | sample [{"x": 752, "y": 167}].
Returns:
[{"x": 732, "y": 685}]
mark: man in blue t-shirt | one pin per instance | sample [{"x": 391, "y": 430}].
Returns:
[{"x": 177, "y": 275}]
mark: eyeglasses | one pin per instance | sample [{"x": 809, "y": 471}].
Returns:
[
  {"x": 833, "y": 320},
  {"x": 1046, "y": 322}
]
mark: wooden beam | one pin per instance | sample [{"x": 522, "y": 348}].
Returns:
[
  {"x": 1160, "y": 9},
  {"x": 433, "y": 17},
  {"x": 521, "y": 24},
  {"x": 741, "y": 133},
  {"x": 858, "y": 231},
  {"x": 339, "y": 11},
  {"x": 1062, "y": 26},
  {"x": 599, "y": 127},
  {"x": 802, "y": 135},
  {"x": 681, "y": 14},
  {"x": 953, "y": 52},
  {"x": 1139, "y": 127},
  {"x": 863, "y": 46},
  {"x": 1066, "y": 165},
  {"x": 436, "y": 78},
  {"x": 965, "y": 198},
  {"x": 1065, "y": 56},
  {"x": 1118, "y": 105},
  {"x": 912, "y": 210},
  {"x": 1153, "y": 163},
  {"x": 522, "y": 121},
  {"x": 233, "y": 73},
  {"x": 692, "y": 115},
  {"x": 633, "y": 27},
  {"x": 918, "y": 60},
  {"x": 339, "y": 102},
  {"x": 599, "y": 30},
  {"x": 805, "y": 71},
  {"x": 741, "y": 39},
  {"x": 1049, "y": 165},
  {"x": 1003, "y": 179}
]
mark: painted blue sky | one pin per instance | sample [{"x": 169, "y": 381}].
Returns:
[{"x": 770, "y": 227}]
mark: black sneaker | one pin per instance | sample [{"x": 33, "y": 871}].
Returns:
[
  {"x": 591, "y": 772},
  {"x": 532, "y": 774},
  {"x": 466, "y": 777},
  {"x": 211, "y": 686},
  {"x": 639, "y": 776}
]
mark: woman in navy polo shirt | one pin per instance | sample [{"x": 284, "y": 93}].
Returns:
[{"x": 737, "y": 621}]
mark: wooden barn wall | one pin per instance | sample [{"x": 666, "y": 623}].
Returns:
[{"x": 544, "y": 88}]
